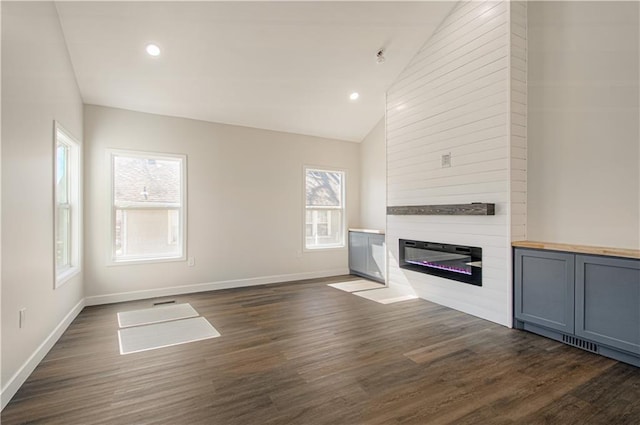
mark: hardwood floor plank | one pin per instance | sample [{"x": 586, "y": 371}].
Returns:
[{"x": 305, "y": 353}]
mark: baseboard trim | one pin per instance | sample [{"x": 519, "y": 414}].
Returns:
[
  {"x": 34, "y": 360},
  {"x": 209, "y": 286}
]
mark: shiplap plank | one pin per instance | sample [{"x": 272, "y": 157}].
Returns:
[
  {"x": 519, "y": 119},
  {"x": 473, "y": 125},
  {"x": 436, "y": 84},
  {"x": 432, "y": 151},
  {"x": 466, "y": 23},
  {"x": 460, "y": 95},
  {"x": 477, "y": 152},
  {"x": 464, "y": 114},
  {"x": 518, "y": 197},
  {"x": 468, "y": 48},
  {"x": 410, "y": 107},
  {"x": 447, "y": 141},
  {"x": 479, "y": 192},
  {"x": 476, "y": 160},
  {"x": 518, "y": 142},
  {"x": 441, "y": 113}
]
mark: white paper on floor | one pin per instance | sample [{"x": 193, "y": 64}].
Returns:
[
  {"x": 165, "y": 334},
  {"x": 356, "y": 285},
  {"x": 387, "y": 295},
  {"x": 157, "y": 314}
]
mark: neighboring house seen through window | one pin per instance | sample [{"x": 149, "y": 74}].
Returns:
[
  {"x": 67, "y": 213},
  {"x": 148, "y": 206},
  {"x": 324, "y": 204}
]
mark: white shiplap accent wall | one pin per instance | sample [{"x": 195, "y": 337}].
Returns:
[
  {"x": 518, "y": 121},
  {"x": 456, "y": 97}
]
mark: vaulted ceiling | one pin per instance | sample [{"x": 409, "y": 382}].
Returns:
[{"x": 286, "y": 66}]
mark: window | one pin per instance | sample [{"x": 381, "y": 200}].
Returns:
[
  {"x": 147, "y": 207},
  {"x": 324, "y": 205},
  {"x": 67, "y": 214}
]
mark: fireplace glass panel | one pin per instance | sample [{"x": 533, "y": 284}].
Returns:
[
  {"x": 439, "y": 260},
  {"x": 456, "y": 262}
]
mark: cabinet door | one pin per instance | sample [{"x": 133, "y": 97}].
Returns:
[
  {"x": 608, "y": 301},
  {"x": 376, "y": 256},
  {"x": 358, "y": 251},
  {"x": 544, "y": 288}
]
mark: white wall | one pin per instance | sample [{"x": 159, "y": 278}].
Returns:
[
  {"x": 38, "y": 87},
  {"x": 373, "y": 179},
  {"x": 454, "y": 97},
  {"x": 584, "y": 180},
  {"x": 245, "y": 203}
]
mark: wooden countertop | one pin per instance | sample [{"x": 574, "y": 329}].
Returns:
[
  {"x": 378, "y": 232},
  {"x": 581, "y": 249}
]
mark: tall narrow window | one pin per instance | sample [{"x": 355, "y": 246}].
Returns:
[
  {"x": 148, "y": 206},
  {"x": 67, "y": 206},
  {"x": 324, "y": 204}
]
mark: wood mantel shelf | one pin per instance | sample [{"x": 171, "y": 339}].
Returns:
[
  {"x": 581, "y": 249},
  {"x": 475, "y": 208}
]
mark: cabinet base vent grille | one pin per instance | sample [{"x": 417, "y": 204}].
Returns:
[{"x": 580, "y": 343}]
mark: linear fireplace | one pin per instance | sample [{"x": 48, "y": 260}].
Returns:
[{"x": 456, "y": 262}]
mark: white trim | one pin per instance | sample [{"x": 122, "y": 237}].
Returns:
[
  {"x": 343, "y": 209},
  {"x": 75, "y": 200},
  {"x": 16, "y": 381},
  {"x": 182, "y": 237},
  {"x": 66, "y": 275},
  {"x": 209, "y": 286},
  {"x": 142, "y": 260}
]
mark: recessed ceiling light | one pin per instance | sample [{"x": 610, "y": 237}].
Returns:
[
  {"x": 153, "y": 49},
  {"x": 354, "y": 96}
]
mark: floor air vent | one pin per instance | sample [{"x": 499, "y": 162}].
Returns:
[{"x": 580, "y": 343}]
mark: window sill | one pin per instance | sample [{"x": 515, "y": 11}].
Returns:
[
  {"x": 134, "y": 261},
  {"x": 65, "y": 275}
]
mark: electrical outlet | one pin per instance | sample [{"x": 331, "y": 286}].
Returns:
[
  {"x": 446, "y": 160},
  {"x": 22, "y": 320},
  {"x": 191, "y": 261}
]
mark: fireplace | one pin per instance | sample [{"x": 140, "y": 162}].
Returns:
[{"x": 456, "y": 262}]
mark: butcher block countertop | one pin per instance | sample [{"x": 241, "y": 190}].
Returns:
[
  {"x": 581, "y": 249},
  {"x": 377, "y": 232}
]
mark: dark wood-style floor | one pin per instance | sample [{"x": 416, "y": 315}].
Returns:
[{"x": 305, "y": 353}]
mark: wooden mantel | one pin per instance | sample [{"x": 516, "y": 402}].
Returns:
[{"x": 475, "y": 208}]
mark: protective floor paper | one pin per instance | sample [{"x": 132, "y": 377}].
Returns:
[
  {"x": 356, "y": 285},
  {"x": 387, "y": 295},
  {"x": 166, "y": 334},
  {"x": 157, "y": 314}
]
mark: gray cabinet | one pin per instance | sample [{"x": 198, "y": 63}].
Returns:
[
  {"x": 366, "y": 255},
  {"x": 608, "y": 301},
  {"x": 544, "y": 292},
  {"x": 589, "y": 301}
]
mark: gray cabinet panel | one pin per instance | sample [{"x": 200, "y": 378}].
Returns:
[
  {"x": 376, "y": 256},
  {"x": 358, "y": 251},
  {"x": 367, "y": 255},
  {"x": 608, "y": 301},
  {"x": 544, "y": 293}
]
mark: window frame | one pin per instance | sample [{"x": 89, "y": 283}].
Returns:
[
  {"x": 73, "y": 204},
  {"x": 182, "y": 210},
  {"x": 343, "y": 209}
]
